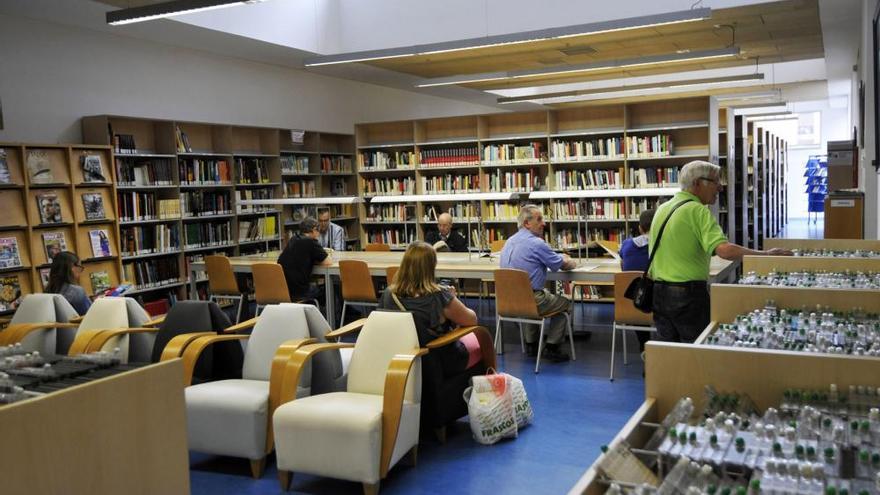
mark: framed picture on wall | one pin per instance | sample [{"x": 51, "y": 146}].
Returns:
[{"x": 809, "y": 127}]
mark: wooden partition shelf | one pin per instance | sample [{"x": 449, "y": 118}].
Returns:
[
  {"x": 55, "y": 198},
  {"x": 729, "y": 370},
  {"x": 825, "y": 244},
  {"x": 763, "y": 265},
  {"x": 604, "y": 164},
  {"x": 181, "y": 186}
]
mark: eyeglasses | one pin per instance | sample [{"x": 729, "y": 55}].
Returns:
[
  {"x": 709, "y": 179},
  {"x": 78, "y": 265}
]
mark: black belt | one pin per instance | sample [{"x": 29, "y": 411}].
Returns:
[{"x": 692, "y": 283}]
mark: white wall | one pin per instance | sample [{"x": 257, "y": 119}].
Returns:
[
  {"x": 868, "y": 177},
  {"x": 51, "y": 75}
]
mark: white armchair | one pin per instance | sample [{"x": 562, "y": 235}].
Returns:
[
  {"x": 233, "y": 417},
  {"x": 34, "y": 324},
  {"x": 111, "y": 314},
  {"x": 359, "y": 434}
]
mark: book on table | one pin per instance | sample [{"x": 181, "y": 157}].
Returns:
[{"x": 9, "y": 255}]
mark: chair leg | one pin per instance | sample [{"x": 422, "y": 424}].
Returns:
[
  {"x": 499, "y": 347},
  {"x": 284, "y": 478},
  {"x": 371, "y": 488},
  {"x": 342, "y": 317},
  {"x": 440, "y": 433},
  {"x": 412, "y": 457},
  {"x": 613, "y": 346},
  {"x": 540, "y": 348},
  {"x": 240, "y": 305},
  {"x": 623, "y": 338},
  {"x": 522, "y": 341},
  {"x": 257, "y": 311},
  {"x": 257, "y": 468},
  {"x": 570, "y": 320}
]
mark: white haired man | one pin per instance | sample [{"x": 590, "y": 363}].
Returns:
[{"x": 680, "y": 269}]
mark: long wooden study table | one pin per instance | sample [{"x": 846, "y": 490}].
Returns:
[{"x": 452, "y": 265}]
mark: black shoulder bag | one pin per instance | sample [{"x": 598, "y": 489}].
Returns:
[{"x": 641, "y": 290}]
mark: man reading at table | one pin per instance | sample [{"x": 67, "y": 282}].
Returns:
[
  {"x": 527, "y": 251},
  {"x": 299, "y": 257}
]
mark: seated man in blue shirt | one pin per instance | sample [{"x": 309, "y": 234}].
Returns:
[
  {"x": 634, "y": 257},
  {"x": 527, "y": 251}
]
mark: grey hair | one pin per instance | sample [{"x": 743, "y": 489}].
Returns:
[
  {"x": 693, "y": 171},
  {"x": 527, "y": 213},
  {"x": 307, "y": 225}
]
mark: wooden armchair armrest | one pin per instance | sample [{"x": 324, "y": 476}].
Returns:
[
  {"x": 238, "y": 327},
  {"x": 98, "y": 341},
  {"x": 76, "y": 319},
  {"x": 354, "y": 326},
  {"x": 4, "y": 321},
  {"x": 174, "y": 348},
  {"x": 82, "y": 340},
  {"x": 392, "y": 403},
  {"x": 155, "y": 322},
  {"x": 194, "y": 350},
  {"x": 16, "y": 332},
  {"x": 487, "y": 345},
  {"x": 293, "y": 368},
  {"x": 276, "y": 380}
]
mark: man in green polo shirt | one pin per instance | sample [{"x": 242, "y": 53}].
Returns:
[{"x": 680, "y": 268}]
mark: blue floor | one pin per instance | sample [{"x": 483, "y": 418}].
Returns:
[{"x": 577, "y": 410}]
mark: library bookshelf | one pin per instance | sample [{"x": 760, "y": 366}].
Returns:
[
  {"x": 189, "y": 189},
  {"x": 50, "y": 203},
  {"x": 602, "y": 164}
]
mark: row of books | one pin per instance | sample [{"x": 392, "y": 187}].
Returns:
[
  {"x": 514, "y": 181},
  {"x": 183, "y": 145},
  {"x": 380, "y": 160},
  {"x": 591, "y": 209},
  {"x": 447, "y": 157},
  {"x": 578, "y": 180},
  {"x": 136, "y": 206},
  {"x": 569, "y": 239},
  {"x": 151, "y": 274},
  {"x": 459, "y": 212},
  {"x": 194, "y": 171},
  {"x": 653, "y": 177},
  {"x": 204, "y": 234},
  {"x": 150, "y": 239},
  {"x": 594, "y": 149},
  {"x": 252, "y": 170},
  {"x": 638, "y": 205},
  {"x": 144, "y": 172},
  {"x": 499, "y": 210},
  {"x": 450, "y": 183},
  {"x": 301, "y": 188},
  {"x": 338, "y": 164},
  {"x": 291, "y": 164},
  {"x": 258, "y": 229},
  {"x": 390, "y": 213},
  {"x": 205, "y": 203},
  {"x": 649, "y": 146},
  {"x": 389, "y": 186},
  {"x": 514, "y": 153},
  {"x": 301, "y": 211},
  {"x": 394, "y": 236},
  {"x": 251, "y": 194}
]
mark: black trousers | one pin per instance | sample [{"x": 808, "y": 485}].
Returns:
[{"x": 681, "y": 310}]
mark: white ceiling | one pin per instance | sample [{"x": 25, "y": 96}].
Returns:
[{"x": 284, "y": 32}]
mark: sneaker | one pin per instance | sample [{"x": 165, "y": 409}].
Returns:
[{"x": 554, "y": 354}]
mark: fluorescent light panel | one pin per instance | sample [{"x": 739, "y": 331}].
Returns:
[
  {"x": 574, "y": 69},
  {"x": 634, "y": 87},
  {"x": 514, "y": 38},
  {"x": 168, "y": 9},
  {"x": 750, "y": 96}
]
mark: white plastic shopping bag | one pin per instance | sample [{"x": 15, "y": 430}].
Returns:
[
  {"x": 521, "y": 405},
  {"x": 490, "y": 408}
]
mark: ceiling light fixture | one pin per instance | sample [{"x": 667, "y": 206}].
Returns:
[
  {"x": 774, "y": 116},
  {"x": 514, "y": 38},
  {"x": 757, "y": 95},
  {"x": 635, "y": 87},
  {"x": 574, "y": 69},
  {"x": 168, "y": 9}
]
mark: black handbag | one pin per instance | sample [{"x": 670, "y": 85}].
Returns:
[{"x": 641, "y": 290}]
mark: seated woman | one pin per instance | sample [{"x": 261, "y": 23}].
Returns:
[
  {"x": 435, "y": 308},
  {"x": 63, "y": 279}
]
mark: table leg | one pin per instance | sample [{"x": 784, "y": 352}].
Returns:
[{"x": 329, "y": 303}]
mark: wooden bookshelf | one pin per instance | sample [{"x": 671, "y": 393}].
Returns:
[
  {"x": 188, "y": 179},
  {"x": 51, "y": 178},
  {"x": 541, "y": 156}
]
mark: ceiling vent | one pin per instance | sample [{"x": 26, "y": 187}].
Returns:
[{"x": 578, "y": 50}]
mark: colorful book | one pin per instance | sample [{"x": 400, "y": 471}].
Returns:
[
  {"x": 100, "y": 281},
  {"x": 55, "y": 244},
  {"x": 100, "y": 243},
  {"x": 9, "y": 257},
  {"x": 5, "y": 178},
  {"x": 93, "y": 171},
  {"x": 93, "y": 205},
  {"x": 39, "y": 167},
  {"x": 44, "y": 277},
  {"x": 10, "y": 293},
  {"x": 49, "y": 208}
]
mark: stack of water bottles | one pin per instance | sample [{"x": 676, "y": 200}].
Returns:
[{"x": 815, "y": 279}]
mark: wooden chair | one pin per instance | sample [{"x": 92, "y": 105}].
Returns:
[
  {"x": 357, "y": 286},
  {"x": 495, "y": 247},
  {"x": 390, "y": 273},
  {"x": 515, "y": 301},
  {"x": 377, "y": 247},
  {"x": 222, "y": 283},
  {"x": 610, "y": 246},
  {"x": 626, "y": 316},
  {"x": 270, "y": 286}
]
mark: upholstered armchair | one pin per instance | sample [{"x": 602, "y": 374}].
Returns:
[
  {"x": 358, "y": 434},
  {"x": 329, "y": 368},
  {"x": 233, "y": 417},
  {"x": 34, "y": 324},
  {"x": 116, "y": 313}
]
